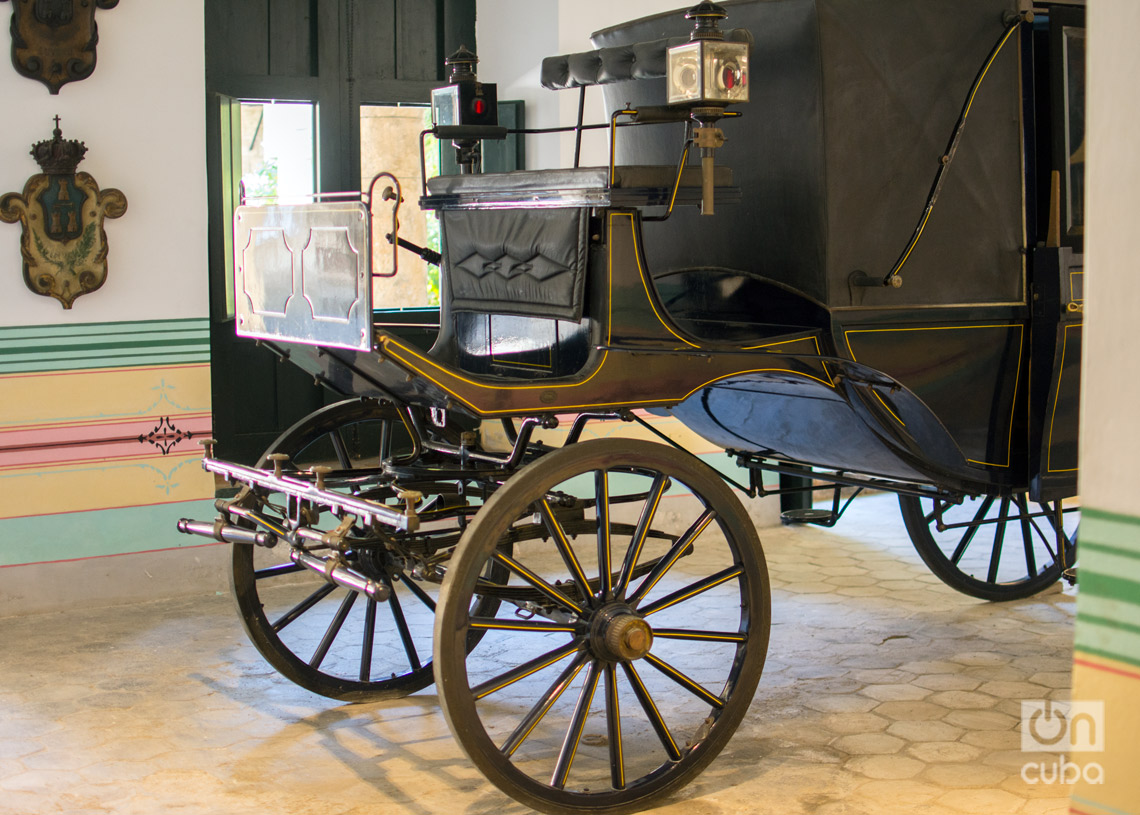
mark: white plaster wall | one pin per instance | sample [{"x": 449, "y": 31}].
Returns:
[
  {"x": 515, "y": 35},
  {"x": 142, "y": 116},
  {"x": 1110, "y": 427}
]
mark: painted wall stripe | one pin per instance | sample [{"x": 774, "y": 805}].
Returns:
[
  {"x": 1104, "y": 808},
  {"x": 1097, "y": 664},
  {"x": 103, "y": 345},
  {"x": 1119, "y": 567},
  {"x": 1092, "y": 546},
  {"x": 1124, "y": 611},
  {"x": 1108, "y": 641},
  {"x": 1110, "y": 622},
  {"x": 1105, "y": 585},
  {"x": 1115, "y": 517},
  {"x": 79, "y": 535}
]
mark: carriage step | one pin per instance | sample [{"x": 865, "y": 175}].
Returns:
[
  {"x": 1070, "y": 575},
  {"x": 819, "y": 517}
]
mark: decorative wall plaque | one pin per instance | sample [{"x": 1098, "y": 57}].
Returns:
[
  {"x": 54, "y": 40},
  {"x": 62, "y": 211}
]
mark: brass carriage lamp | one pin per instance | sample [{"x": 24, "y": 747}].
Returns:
[
  {"x": 708, "y": 73},
  {"x": 707, "y": 70}
]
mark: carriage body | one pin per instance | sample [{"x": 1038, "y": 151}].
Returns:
[
  {"x": 808, "y": 324},
  {"x": 964, "y": 376}
]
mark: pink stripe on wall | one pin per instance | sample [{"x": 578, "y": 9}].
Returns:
[{"x": 53, "y": 445}]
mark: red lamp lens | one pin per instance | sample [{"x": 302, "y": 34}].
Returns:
[
  {"x": 480, "y": 106},
  {"x": 729, "y": 78}
]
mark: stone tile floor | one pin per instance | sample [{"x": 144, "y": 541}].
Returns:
[{"x": 884, "y": 692}]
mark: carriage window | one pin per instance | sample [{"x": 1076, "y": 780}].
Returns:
[
  {"x": 277, "y": 149},
  {"x": 390, "y": 141}
]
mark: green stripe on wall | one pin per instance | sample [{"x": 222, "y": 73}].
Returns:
[
  {"x": 1108, "y": 605},
  {"x": 36, "y": 349},
  {"x": 75, "y": 535},
  {"x": 1108, "y": 641}
]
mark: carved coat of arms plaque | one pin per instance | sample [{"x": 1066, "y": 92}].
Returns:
[
  {"x": 64, "y": 245},
  {"x": 54, "y": 40}
]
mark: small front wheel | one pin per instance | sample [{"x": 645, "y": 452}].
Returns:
[{"x": 631, "y": 632}]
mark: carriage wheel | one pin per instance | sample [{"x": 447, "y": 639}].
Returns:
[
  {"x": 991, "y": 547},
  {"x": 631, "y": 637},
  {"x": 328, "y": 639}
]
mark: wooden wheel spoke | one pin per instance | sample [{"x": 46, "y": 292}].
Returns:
[
  {"x": 651, "y": 712},
  {"x": 420, "y": 594},
  {"x": 544, "y": 703},
  {"x": 574, "y": 731},
  {"x": 699, "y": 636},
  {"x": 679, "y": 548},
  {"x": 999, "y": 538},
  {"x": 564, "y": 549},
  {"x": 278, "y": 571},
  {"x": 538, "y": 583},
  {"x": 366, "y": 642},
  {"x": 613, "y": 729},
  {"x": 605, "y": 549},
  {"x": 402, "y": 625},
  {"x": 292, "y": 614},
  {"x": 528, "y": 668},
  {"x": 692, "y": 590},
  {"x": 333, "y": 629},
  {"x": 960, "y": 550},
  {"x": 506, "y": 624},
  {"x": 684, "y": 681},
  {"x": 648, "y": 511},
  {"x": 1026, "y": 535},
  {"x": 341, "y": 449}
]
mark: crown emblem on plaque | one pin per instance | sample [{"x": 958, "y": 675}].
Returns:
[{"x": 58, "y": 156}]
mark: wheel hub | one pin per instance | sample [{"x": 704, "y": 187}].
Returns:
[{"x": 619, "y": 635}]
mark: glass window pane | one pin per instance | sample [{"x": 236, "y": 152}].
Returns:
[
  {"x": 390, "y": 142},
  {"x": 277, "y": 149}
]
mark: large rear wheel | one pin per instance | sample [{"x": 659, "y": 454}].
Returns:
[
  {"x": 329, "y": 639},
  {"x": 993, "y": 547}
]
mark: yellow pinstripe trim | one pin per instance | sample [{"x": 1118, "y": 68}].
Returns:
[
  {"x": 569, "y": 681},
  {"x": 574, "y": 564},
  {"x": 1016, "y": 379},
  {"x": 645, "y": 285},
  {"x": 677, "y": 556},
  {"x": 965, "y": 115},
  {"x": 1056, "y": 399},
  {"x": 420, "y": 364},
  {"x": 652, "y": 704},
  {"x": 702, "y": 589},
  {"x": 888, "y": 408},
  {"x": 518, "y": 627},
  {"x": 593, "y": 689},
  {"x": 612, "y": 691},
  {"x": 680, "y": 634},
  {"x": 531, "y": 672},
  {"x": 1072, "y": 287}
]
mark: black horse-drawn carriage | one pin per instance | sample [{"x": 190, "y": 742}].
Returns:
[{"x": 888, "y": 296}]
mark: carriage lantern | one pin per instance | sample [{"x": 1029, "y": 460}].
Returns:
[
  {"x": 707, "y": 74},
  {"x": 465, "y": 102},
  {"x": 707, "y": 70}
]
